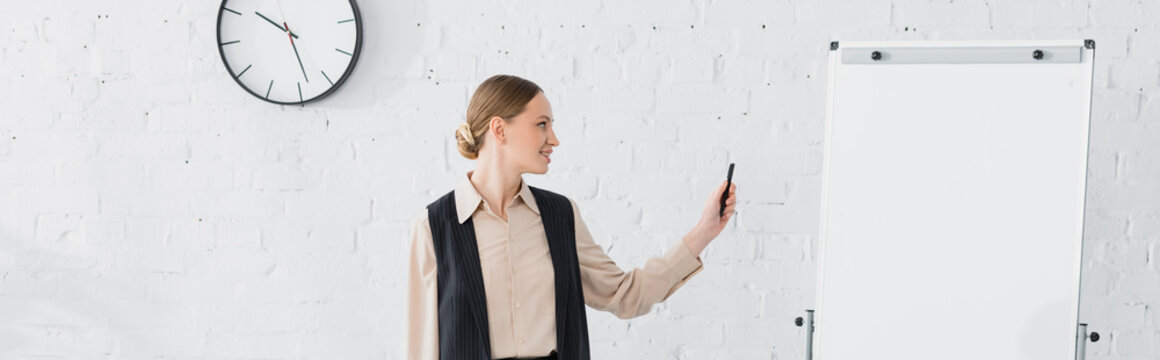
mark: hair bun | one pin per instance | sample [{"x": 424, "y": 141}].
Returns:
[{"x": 465, "y": 132}]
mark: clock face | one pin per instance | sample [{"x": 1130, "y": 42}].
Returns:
[{"x": 289, "y": 51}]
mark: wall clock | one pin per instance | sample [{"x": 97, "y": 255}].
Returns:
[{"x": 289, "y": 52}]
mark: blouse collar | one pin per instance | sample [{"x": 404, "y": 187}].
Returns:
[{"x": 467, "y": 199}]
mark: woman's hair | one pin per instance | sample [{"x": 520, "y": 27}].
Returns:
[{"x": 501, "y": 95}]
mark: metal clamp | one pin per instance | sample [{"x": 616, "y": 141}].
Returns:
[{"x": 1081, "y": 339}]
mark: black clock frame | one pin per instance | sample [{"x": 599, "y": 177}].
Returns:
[{"x": 337, "y": 84}]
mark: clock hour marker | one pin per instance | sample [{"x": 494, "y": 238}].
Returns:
[
  {"x": 268, "y": 89},
  {"x": 299, "y": 91},
  {"x": 243, "y": 71},
  {"x": 344, "y": 52},
  {"x": 232, "y": 42},
  {"x": 347, "y": 20},
  {"x": 327, "y": 78},
  {"x": 228, "y": 9}
]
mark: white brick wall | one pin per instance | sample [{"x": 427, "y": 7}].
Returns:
[{"x": 149, "y": 208}]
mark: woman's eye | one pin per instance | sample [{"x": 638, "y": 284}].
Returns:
[{"x": 542, "y": 124}]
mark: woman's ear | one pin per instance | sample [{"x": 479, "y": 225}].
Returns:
[{"x": 497, "y": 129}]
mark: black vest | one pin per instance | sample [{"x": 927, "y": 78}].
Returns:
[{"x": 463, "y": 326}]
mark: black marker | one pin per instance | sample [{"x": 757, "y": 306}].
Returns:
[{"x": 728, "y": 184}]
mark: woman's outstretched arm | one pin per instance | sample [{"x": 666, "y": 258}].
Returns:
[{"x": 632, "y": 293}]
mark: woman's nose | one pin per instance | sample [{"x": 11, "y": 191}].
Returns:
[{"x": 552, "y": 140}]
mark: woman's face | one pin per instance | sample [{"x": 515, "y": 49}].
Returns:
[{"x": 530, "y": 137}]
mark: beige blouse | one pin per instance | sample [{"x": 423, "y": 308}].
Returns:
[{"x": 517, "y": 277}]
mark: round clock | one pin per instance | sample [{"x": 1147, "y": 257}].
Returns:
[{"x": 289, "y": 52}]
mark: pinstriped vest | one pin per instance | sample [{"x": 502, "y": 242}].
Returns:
[{"x": 463, "y": 326}]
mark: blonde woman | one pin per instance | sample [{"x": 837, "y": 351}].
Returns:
[{"x": 500, "y": 269}]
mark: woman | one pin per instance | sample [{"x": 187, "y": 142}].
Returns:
[{"x": 500, "y": 269}]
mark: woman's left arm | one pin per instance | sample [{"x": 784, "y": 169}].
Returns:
[{"x": 633, "y": 293}]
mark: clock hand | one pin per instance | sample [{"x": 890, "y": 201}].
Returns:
[
  {"x": 296, "y": 52},
  {"x": 276, "y": 24},
  {"x": 280, "y": 11}
]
